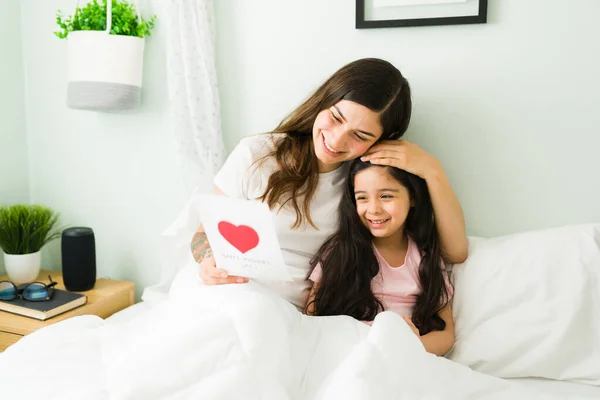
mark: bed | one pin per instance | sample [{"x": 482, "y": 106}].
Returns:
[
  {"x": 559, "y": 389},
  {"x": 527, "y": 319},
  {"x": 554, "y": 388}
]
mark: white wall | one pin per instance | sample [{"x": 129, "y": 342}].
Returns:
[
  {"x": 116, "y": 173},
  {"x": 13, "y": 149},
  {"x": 509, "y": 107},
  {"x": 506, "y": 106}
]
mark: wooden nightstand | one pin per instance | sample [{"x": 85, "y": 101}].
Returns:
[{"x": 106, "y": 298}]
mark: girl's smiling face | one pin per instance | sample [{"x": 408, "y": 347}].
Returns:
[{"x": 382, "y": 203}]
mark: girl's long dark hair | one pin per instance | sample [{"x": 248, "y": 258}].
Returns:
[
  {"x": 371, "y": 82},
  {"x": 349, "y": 263}
]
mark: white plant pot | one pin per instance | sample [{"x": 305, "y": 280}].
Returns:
[{"x": 23, "y": 268}]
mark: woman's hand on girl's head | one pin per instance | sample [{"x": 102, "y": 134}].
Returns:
[
  {"x": 404, "y": 155},
  {"x": 211, "y": 275}
]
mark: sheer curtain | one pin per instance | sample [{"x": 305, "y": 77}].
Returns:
[
  {"x": 193, "y": 90},
  {"x": 196, "y": 123}
]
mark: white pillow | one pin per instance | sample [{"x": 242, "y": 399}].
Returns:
[{"x": 528, "y": 305}]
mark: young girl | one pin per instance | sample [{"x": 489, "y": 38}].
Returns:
[{"x": 385, "y": 255}]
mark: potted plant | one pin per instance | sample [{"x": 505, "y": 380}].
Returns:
[
  {"x": 106, "y": 54},
  {"x": 24, "y": 230}
]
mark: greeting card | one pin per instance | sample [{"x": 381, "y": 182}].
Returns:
[{"x": 242, "y": 237}]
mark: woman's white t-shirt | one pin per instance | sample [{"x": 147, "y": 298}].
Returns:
[{"x": 243, "y": 177}]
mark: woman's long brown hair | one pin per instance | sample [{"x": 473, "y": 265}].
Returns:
[{"x": 371, "y": 82}]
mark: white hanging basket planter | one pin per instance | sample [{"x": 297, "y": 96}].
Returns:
[{"x": 105, "y": 71}]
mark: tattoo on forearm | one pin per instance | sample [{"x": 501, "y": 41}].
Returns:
[{"x": 200, "y": 246}]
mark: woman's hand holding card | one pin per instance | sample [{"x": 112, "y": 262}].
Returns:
[{"x": 211, "y": 275}]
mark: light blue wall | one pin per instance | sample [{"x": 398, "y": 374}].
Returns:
[
  {"x": 118, "y": 173},
  {"x": 510, "y": 107},
  {"x": 13, "y": 147}
]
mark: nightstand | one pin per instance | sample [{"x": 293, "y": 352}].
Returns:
[{"x": 106, "y": 298}]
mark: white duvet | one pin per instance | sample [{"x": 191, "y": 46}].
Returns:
[{"x": 236, "y": 342}]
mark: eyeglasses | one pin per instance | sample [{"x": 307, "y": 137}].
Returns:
[{"x": 35, "y": 291}]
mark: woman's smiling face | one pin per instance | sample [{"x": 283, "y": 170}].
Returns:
[{"x": 344, "y": 132}]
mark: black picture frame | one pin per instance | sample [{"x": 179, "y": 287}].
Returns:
[{"x": 361, "y": 23}]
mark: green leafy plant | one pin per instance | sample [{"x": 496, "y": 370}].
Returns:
[
  {"x": 25, "y": 229},
  {"x": 92, "y": 17}
]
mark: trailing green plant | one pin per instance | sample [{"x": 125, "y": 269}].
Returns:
[
  {"x": 92, "y": 17},
  {"x": 25, "y": 229}
]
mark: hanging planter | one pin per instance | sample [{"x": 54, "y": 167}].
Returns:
[{"x": 106, "y": 54}]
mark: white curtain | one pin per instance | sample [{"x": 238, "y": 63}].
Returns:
[
  {"x": 193, "y": 91},
  {"x": 196, "y": 123}
]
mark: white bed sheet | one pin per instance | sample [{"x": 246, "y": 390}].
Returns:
[
  {"x": 561, "y": 389},
  {"x": 129, "y": 313},
  {"x": 252, "y": 341}
]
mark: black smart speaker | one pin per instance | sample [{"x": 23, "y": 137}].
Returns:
[{"x": 78, "y": 258}]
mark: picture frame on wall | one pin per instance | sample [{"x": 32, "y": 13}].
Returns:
[{"x": 404, "y": 13}]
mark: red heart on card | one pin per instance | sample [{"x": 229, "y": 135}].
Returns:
[{"x": 241, "y": 237}]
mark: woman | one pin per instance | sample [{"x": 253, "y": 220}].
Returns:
[{"x": 299, "y": 169}]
